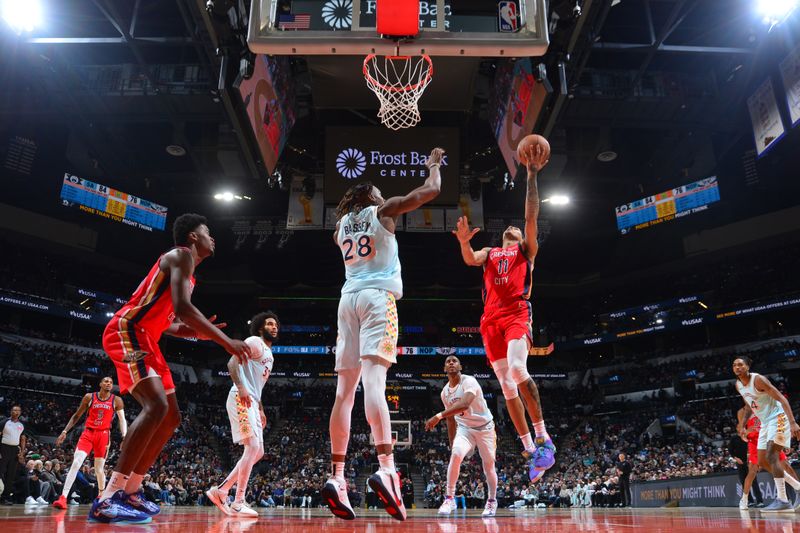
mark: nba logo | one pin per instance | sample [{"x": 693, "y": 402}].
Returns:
[{"x": 508, "y": 16}]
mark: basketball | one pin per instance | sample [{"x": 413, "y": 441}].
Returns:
[{"x": 528, "y": 141}]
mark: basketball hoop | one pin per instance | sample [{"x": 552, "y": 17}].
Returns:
[{"x": 398, "y": 82}]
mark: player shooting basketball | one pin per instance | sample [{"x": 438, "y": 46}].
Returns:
[{"x": 507, "y": 315}]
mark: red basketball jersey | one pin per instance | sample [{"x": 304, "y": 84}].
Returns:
[
  {"x": 150, "y": 308},
  {"x": 507, "y": 277},
  {"x": 101, "y": 412}
]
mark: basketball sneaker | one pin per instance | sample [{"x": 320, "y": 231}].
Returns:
[
  {"x": 448, "y": 505},
  {"x": 543, "y": 456},
  {"x": 490, "y": 509},
  {"x": 61, "y": 502},
  {"x": 114, "y": 510},
  {"x": 242, "y": 510},
  {"x": 387, "y": 486},
  {"x": 778, "y": 506},
  {"x": 219, "y": 498},
  {"x": 142, "y": 504},
  {"x": 743, "y": 503},
  {"x": 334, "y": 493}
]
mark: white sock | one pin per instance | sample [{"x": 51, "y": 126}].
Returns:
[
  {"x": 780, "y": 486},
  {"x": 134, "y": 483},
  {"x": 538, "y": 427},
  {"x": 791, "y": 481},
  {"x": 527, "y": 441},
  {"x": 387, "y": 463},
  {"x": 73, "y": 471},
  {"x": 117, "y": 482},
  {"x": 338, "y": 469}
]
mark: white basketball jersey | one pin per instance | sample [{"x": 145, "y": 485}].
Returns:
[
  {"x": 255, "y": 371},
  {"x": 370, "y": 253},
  {"x": 764, "y": 406},
  {"x": 477, "y": 414}
]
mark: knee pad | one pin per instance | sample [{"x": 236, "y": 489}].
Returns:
[
  {"x": 519, "y": 372},
  {"x": 507, "y": 383}
]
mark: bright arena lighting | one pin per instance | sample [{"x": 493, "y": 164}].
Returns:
[
  {"x": 559, "y": 199},
  {"x": 776, "y": 10},
  {"x": 22, "y": 15},
  {"x": 224, "y": 196}
]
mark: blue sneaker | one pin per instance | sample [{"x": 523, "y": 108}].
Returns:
[
  {"x": 142, "y": 504},
  {"x": 533, "y": 473},
  {"x": 114, "y": 510},
  {"x": 544, "y": 454},
  {"x": 778, "y": 506}
]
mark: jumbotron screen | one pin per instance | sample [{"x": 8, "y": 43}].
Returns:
[
  {"x": 119, "y": 206},
  {"x": 668, "y": 205}
]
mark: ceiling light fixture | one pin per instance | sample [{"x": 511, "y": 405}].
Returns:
[{"x": 22, "y": 15}]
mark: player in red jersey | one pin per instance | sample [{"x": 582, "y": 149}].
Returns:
[
  {"x": 161, "y": 304},
  {"x": 96, "y": 436},
  {"x": 506, "y": 320}
]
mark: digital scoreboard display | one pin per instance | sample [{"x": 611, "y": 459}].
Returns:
[
  {"x": 669, "y": 205},
  {"x": 110, "y": 203}
]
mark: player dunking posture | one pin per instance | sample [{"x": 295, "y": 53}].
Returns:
[
  {"x": 470, "y": 424},
  {"x": 246, "y": 412},
  {"x": 96, "y": 436},
  {"x": 507, "y": 315},
  {"x": 367, "y": 329},
  {"x": 778, "y": 426},
  {"x": 161, "y": 304}
]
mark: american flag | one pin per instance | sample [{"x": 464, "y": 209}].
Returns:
[{"x": 300, "y": 21}]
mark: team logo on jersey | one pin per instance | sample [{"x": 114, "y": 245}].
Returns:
[
  {"x": 351, "y": 163},
  {"x": 338, "y": 14},
  {"x": 132, "y": 357}
]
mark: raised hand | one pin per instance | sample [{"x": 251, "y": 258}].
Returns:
[
  {"x": 536, "y": 156},
  {"x": 218, "y": 325},
  {"x": 239, "y": 349},
  {"x": 462, "y": 231},
  {"x": 437, "y": 154}
]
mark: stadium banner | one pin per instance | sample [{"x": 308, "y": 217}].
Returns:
[
  {"x": 306, "y": 210},
  {"x": 467, "y": 207},
  {"x": 515, "y": 102},
  {"x": 766, "y": 117},
  {"x": 425, "y": 220},
  {"x": 649, "y": 308},
  {"x": 393, "y": 161},
  {"x": 47, "y": 306},
  {"x": 790, "y": 73},
  {"x": 714, "y": 490}
]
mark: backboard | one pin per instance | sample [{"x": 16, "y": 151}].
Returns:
[{"x": 477, "y": 28}]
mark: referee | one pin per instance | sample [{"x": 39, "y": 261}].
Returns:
[{"x": 12, "y": 451}]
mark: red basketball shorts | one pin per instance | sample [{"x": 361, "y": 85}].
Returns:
[
  {"x": 501, "y": 325},
  {"x": 136, "y": 355},
  {"x": 752, "y": 452},
  {"x": 95, "y": 440}
]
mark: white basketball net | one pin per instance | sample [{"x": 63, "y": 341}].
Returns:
[{"x": 398, "y": 82}]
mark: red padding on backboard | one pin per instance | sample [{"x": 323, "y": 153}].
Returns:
[{"x": 397, "y": 18}]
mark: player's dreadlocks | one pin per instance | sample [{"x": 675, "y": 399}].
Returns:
[{"x": 355, "y": 199}]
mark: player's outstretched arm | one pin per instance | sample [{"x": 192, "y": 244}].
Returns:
[
  {"x": 763, "y": 384},
  {"x": 537, "y": 159},
  {"x": 181, "y": 266},
  {"x": 464, "y": 235},
  {"x": 398, "y": 205},
  {"x": 87, "y": 399}
]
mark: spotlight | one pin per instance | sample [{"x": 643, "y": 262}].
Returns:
[
  {"x": 22, "y": 15},
  {"x": 659, "y": 321},
  {"x": 557, "y": 199},
  {"x": 775, "y": 11},
  {"x": 226, "y": 196}
]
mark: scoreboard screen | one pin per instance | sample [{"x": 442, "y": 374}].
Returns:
[
  {"x": 110, "y": 203},
  {"x": 669, "y": 205}
]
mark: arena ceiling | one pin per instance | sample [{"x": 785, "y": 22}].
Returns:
[{"x": 660, "y": 83}]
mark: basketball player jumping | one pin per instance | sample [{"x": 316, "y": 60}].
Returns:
[
  {"x": 470, "y": 424},
  {"x": 778, "y": 426},
  {"x": 96, "y": 436},
  {"x": 506, "y": 320},
  {"x": 246, "y": 412},
  {"x": 161, "y": 304},
  {"x": 367, "y": 329}
]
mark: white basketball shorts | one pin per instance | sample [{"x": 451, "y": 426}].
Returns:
[
  {"x": 367, "y": 325},
  {"x": 245, "y": 421}
]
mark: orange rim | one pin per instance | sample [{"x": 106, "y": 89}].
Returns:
[{"x": 405, "y": 88}]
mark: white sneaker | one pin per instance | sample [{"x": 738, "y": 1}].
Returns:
[
  {"x": 334, "y": 494},
  {"x": 242, "y": 510},
  {"x": 30, "y": 501},
  {"x": 220, "y": 499},
  {"x": 743, "y": 504},
  {"x": 387, "y": 486},
  {"x": 448, "y": 505},
  {"x": 490, "y": 509},
  {"x": 74, "y": 502},
  {"x": 41, "y": 501}
]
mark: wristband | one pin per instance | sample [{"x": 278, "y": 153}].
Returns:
[
  {"x": 435, "y": 165},
  {"x": 439, "y": 417}
]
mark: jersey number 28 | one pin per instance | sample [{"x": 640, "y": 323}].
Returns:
[{"x": 361, "y": 248}]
